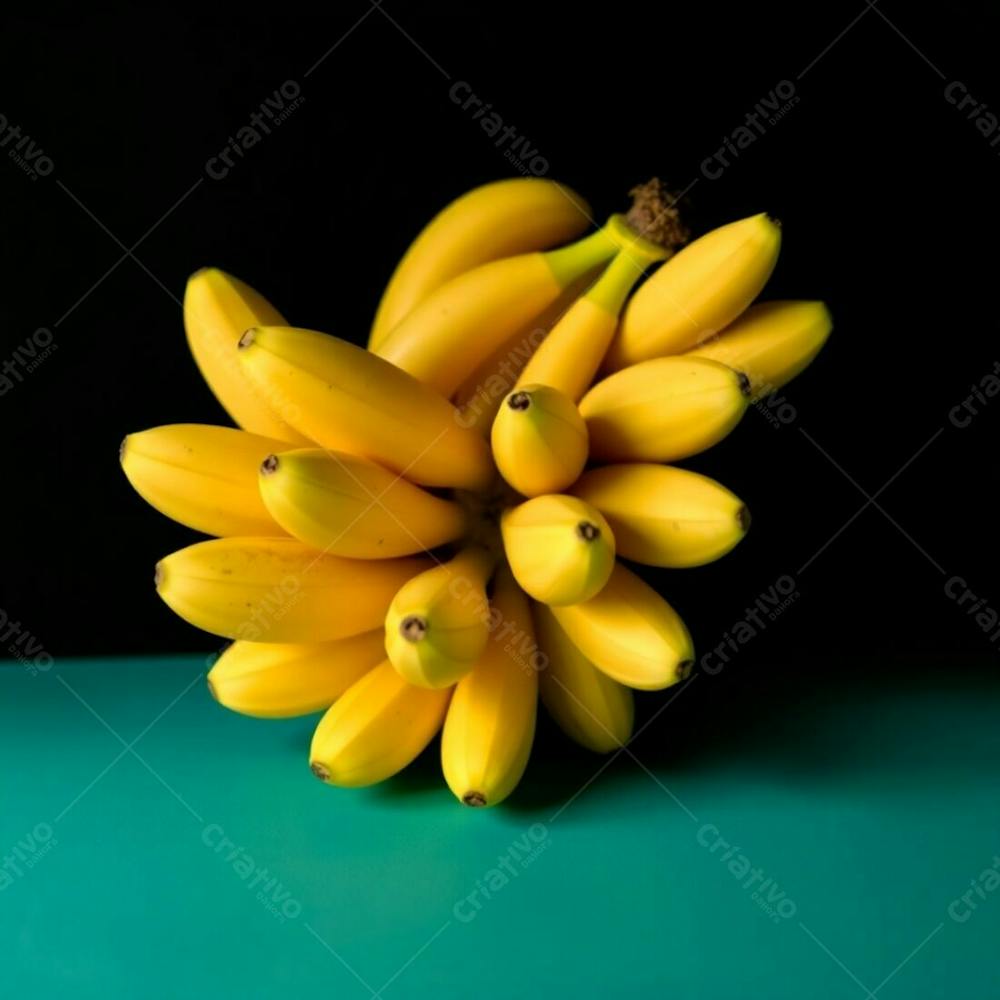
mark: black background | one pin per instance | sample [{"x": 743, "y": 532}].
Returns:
[{"x": 886, "y": 192}]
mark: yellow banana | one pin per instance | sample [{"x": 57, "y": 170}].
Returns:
[
  {"x": 501, "y": 219},
  {"x": 560, "y": 549},
  {"x": 438, "y": 623},
  {"x": 280, "y": 680},
  {"x": 539, "y": 440},
  {"x": 630, "y": 633},
  {"x": 278, "y": 590},
  {"x": 480, "y": 395},
  {"x": 217, "y": 309},
  {"x": 663, "y": 410},
  {"x": 665, "y": 516},
  {"x": 203, "y": 477},
  {"x": 348, "y": 506},
  {"x": 569, "y": 357},
  {"x": 587, "y": 705},
  {"x": 490, "y": 724},
  {"x": 347, "y": 399},
  {"x": 771, "y": 342},
  {"x": 378, "y": 726},
  {"x": 697, "y": 292},
  {"x": 456, "y": 328}
]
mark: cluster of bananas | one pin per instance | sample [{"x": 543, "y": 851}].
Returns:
[{"x": 423, "y": 535}]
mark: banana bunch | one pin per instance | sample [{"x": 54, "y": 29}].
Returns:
[{"x": 422, "y": 537}]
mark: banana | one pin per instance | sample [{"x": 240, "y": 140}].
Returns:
[
  {"x": 480, "y": 395},
  {"x": 630, "y": 633},
  {"x": 490, "y": 724},
  {"x": 664, "y": 516},
  {"x": 278, "y": 590},
  {"x": 281, "y": 680},
  {"x": 697, "y": 292},
  {"x": 378, "y": 726},
  {"x": 771, "y": 342},
  {"x": 457, "y": 327},
  {"x": 587, "y": 705},
  {"x": 663, "y": 410},
  {"x": 348, "y": 399},
  {"x": 571, "y": 354},
  {"x": 560, "y": 549},
  {"x": 350, "y": 507},
  {"x": 496, "y": 220},
  {"x": 217, "y": 309},
  {"x": 438, "y": 623},
  {"x": 202, "y": 477},
  {"x": 539, "y": 440}
]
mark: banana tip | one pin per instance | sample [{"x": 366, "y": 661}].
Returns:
[
  {"x": 413, "y": 628},
  {"x": 684, "y": 669},
  {"x": 158, "y": 575},
  {"x": 211, "y": 688},
  {"x": 519, "y": 400},
  {"x": 743, "y": 517},
  {"x": 121, "y": 448},
  {"x": 246, "y": 338},
  {"x": 475, "y": 799},
  {"x": 588, "y": 531},
  {"x": 745, "y": 386},
  {"x": 269, "y": 465},
  {"x": 320, "y": 770}
]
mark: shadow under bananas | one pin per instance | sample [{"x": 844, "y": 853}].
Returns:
[{"x": 888, "y": 725}]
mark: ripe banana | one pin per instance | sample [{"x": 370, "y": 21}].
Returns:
[
  {"x": 539, "y": 440},
  {"x": 350, "y": 507},
  {"x": 560, "y": 549},
  {"x": 490, "y": 724},
  {"x": 501, "y": 219},
  {"x": 771, "y": 342},
  {"x": 278, "y": 590},
  {"x": 663, "y": 410},
  {"x": 480, "y": 395},
  {"x": 378, "y": 726},
  {"x": 217, "y": 309},
  {"x": 203, "y": 477},
  {"x": 456, "y": 328},
  {"x": 698, "y": 292},
  {"x": 438, "y": 622},
  {"x": 630, "y": 633},
  {"x": 347, "y": 399},
  {"x": 571, "y": 354},
  {"x": 587, "y": 705},
  {"x": 280, "y": 680},
  {"x": 665, "y": 516}
]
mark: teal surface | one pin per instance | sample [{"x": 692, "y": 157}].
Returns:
[{"x": 137, "y": 814}]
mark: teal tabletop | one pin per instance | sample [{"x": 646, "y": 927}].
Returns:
[{"x": 838, "y": 837}]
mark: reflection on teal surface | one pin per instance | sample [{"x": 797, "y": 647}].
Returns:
[{"x": 818, "y": 846}]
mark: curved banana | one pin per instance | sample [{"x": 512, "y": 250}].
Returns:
[
  {"x": 438, "y": 622},
  {"x": 203, "y": 477},
  {"x": 217, "y": 309},
  {"x": 560, "y": 549},
  {"x": 278, "y": 590},
  {"x": 630, "y": 633},
  {"x": 350, "y": 507},
  {"x": 456, "y": 328},
  {"x": 569, "y": 357},
  {"x": 665, "y": 516},
  {"x": 281, "y": 680},
  {"x": 515, "y": 216},
  {"x": 479, "y": 397},
  {"x": 348, "y": 399},
  {"x": 490, "y": 724},
  {"x": 771, "y": 342},
  {"x": 539, "y": 440},
  {"x": 697, "y": 292},
  {"x": 663, "y": 410},
  {"x": 378, "y": 726},
  {"x": 586, "y": 704}
]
